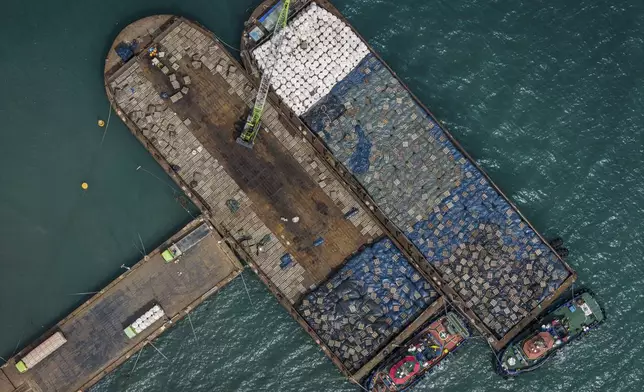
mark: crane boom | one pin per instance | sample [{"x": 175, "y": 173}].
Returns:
[{"x": 251, "y": 128}]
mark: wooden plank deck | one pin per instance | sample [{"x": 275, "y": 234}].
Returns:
[
  {"x": 96, "y": 343},
  {"x": 5, "y": 384},
  {"x": 276, "y": 184}
]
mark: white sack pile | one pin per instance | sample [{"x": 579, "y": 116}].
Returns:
[{"x": 318, "y": 51}]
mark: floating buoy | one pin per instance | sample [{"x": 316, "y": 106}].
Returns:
[
  {"x": 84, "y": 185},
  {"x": 101, "y": 123}
]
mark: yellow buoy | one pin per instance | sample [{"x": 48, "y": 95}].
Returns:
[
  {"x": 84, "y": 186},
  {"x": 101, "y": 123}
]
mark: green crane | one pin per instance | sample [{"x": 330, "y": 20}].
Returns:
[{"x": 251, "y": 128}]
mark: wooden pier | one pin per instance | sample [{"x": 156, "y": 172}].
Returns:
[{"x": 96, "y": 343}]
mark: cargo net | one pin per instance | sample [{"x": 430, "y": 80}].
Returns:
[
  {"x": 318, "y": 51},
  {"x": 371, "y": 298},
  {"x": 444, "y": 204}
]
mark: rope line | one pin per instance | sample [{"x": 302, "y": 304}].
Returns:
[
  {"x": 224, "y": 42},
  {"x": 107, "y": 124},
  {"x": 135, "y": 362},
  {"x": 174, "y": 191},
  {"x": 498, "y": 361},
  {"x": 17, "y": 344},
  {"x": 246, "y": 288},
  {"x": 159, "y": 351},
  {"x": 192, "y": 326}
]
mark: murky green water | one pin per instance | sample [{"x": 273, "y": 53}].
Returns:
[{"x": 548, "y": 96}]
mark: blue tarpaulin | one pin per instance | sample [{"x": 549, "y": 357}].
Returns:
[
  {"x": 125, "y": 50},
  {"x": 286, "y": 260}
]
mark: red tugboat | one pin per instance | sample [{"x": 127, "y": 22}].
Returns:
[{"x": 407, "y": 365}]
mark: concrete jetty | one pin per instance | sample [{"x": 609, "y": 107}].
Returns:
[{"x": 95, "y": 340}]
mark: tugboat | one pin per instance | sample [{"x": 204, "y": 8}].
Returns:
[
  {"x": 409, "y": 363},
  {"x": 544, "y": 338}
]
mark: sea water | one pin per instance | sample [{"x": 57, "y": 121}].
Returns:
[{"x": 547, "y": 96}]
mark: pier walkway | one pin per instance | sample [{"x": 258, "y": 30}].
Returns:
[{"x": 96, "y": 343}]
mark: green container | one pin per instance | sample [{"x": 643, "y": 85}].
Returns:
[
  {"x": 129, "y": 332},
  {"x": 167, "y": 255},
  {"x": 21, "y": 366}
]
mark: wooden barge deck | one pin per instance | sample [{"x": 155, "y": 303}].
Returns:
[
  {"x": 274, "y": 204},
  {"x": 96, "y": 343},
  {"x": 496, "y": 286}
]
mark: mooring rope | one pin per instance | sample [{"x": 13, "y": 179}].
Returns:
[
  {"x": 192, "y": 326},
  {"x": 177, "y": 194},
  {"x": 174, "y": 191},
  {"x": 17, "y": 344},
  {"x": 159, "y": 351},
  {"x": 107, "y": 124},
  {"x": 85, "y": 293},
  {"x": 136, "y": 361},
  {"x": 358, "y": 384},
  {"x": 246, "y": 288},
  {"x": 142, "y": 246},
  {"x": 224, "y": 42},
  {"x": 137, "y": 248}
]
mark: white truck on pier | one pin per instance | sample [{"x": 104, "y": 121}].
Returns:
[{"x": 40, "y": 352}]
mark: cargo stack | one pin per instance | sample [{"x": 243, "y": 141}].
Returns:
[
  {"x": 40, "y": 352},
  {"x": 375, "y": 295},
  {"x": 318, "y": 51},
  {"x": 144, "y": 321}
]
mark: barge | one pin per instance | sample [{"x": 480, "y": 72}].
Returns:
[{"x": 454, "y": 223}]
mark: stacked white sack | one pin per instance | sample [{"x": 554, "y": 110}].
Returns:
[
  {"x": 318, "y": 51},
  {"x": 148, "y": 319}
]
